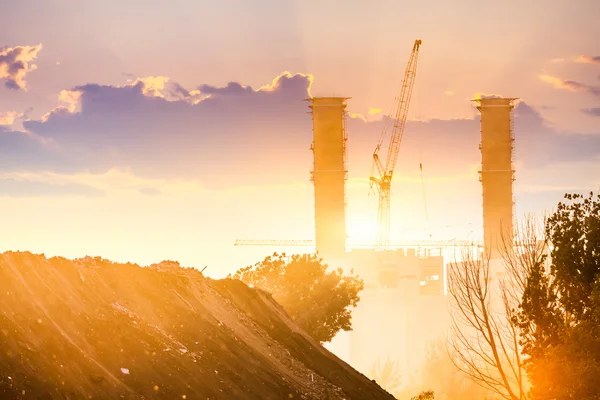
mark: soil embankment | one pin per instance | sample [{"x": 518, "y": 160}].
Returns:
[{"x": 90, "y": 328}]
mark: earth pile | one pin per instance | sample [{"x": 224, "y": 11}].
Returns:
[{"x": 91, "y": 328}]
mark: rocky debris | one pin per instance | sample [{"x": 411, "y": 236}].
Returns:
[{"x": 91, "y": 328}]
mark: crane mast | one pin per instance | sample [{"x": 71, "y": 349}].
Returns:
[{"x": 385, "y": 172}]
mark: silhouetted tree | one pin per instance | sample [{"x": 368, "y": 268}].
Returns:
[
  {"x": 428, "y": 395},
  {"x": 387, "y": 376},
  {"x": 318, "y": 300},
  {"x": 484, "y": 343},
  {"x": 559, "y": 313}
]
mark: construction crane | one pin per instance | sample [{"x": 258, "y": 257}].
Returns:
[{"x": 384, "y": 180}]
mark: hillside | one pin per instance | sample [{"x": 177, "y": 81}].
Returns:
[{"x": 90, "y": 328}]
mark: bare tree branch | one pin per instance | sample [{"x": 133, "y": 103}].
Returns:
[{"x": 486, "y": 294}]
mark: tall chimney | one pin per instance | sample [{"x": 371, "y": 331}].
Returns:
[
  {"x": 329, "y": 174},
  {"x": 497, "y": 174}
]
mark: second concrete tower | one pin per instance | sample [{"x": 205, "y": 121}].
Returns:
[
  {"x": 497, "y": 174},
  {"x": 329, "y": 174}
]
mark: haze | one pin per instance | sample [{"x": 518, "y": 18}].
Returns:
[{"x": 142, "y": 131}]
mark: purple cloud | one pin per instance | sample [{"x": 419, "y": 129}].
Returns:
[
  {"x": 450, "y": 147},
  {"x": 229, "y": 131},
  {"x": 595, "y": 111},
  {"x": 15, "y": 64},
  {"x": 244, "y": 136},
  {"x": 570, "y": 85},
  {"x": 232, "y": 88}
]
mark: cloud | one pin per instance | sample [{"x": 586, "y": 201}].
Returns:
[
  {"x": 15, "y": 64},
  {"x": 71, "y": 97},
  {"x": 357, "y": 116},
  {"x": 114, "y": 180},
  {"x": 595, "y": 111},
  {"x": 8, "y": 118},
  {"x": 237, "y": 136},
  {"x": 232, "y": 89},
  {"x": 570, "y": 85},
  {"x": 25, "y": 188},
  {"x": 449, "y": 92},
  {"x": 449, "y": 148},
  {"x": 136, "y": 126},
  {"x": 374, "y": 111},
  {"x": 588, "y": 59},
  {"x": 290, "y": 82},
  {"x": 558, "y": 60},
  {"x": 480, "y": 95},
  {"x": 25, "y": 151}
]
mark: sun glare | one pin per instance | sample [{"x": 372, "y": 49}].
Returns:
[{"x": 361, "y": 230}]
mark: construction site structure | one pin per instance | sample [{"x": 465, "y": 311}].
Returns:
[
  {"x": 383, "y": 182},
  {"x": 329, "y": 174},
  {"x": 402, "y": 307},
  {"x": 311, "y": 243},
  {"x": 497, "y": 173}
]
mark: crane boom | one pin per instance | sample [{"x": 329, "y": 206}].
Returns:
[{"x": 384, "y": 180}]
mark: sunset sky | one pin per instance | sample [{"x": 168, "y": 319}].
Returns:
[{"x": 147, "y": 130}]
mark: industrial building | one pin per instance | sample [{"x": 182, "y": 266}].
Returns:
[
  {"x": 402, "y": 283},
  {"x": 403, "y": 307}
]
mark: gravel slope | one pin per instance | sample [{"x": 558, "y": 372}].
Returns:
[{"x": 90, "y": 328}]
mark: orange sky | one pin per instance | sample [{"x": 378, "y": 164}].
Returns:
[{"x": 120, "y": 135}]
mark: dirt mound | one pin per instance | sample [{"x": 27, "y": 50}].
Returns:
[{"x": 90, "y": 328}]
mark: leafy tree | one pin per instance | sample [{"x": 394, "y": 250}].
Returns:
[
  {"x": 320, "y": 301},
  {"x": 574, "y": 231},
  {"x": 428, "y": 395},
  {"x": 559, "y": 313}
]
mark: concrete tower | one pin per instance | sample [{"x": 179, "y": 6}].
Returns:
[
  {"x": 329, "y": 174},
  {"x": 496, "y": 173}
]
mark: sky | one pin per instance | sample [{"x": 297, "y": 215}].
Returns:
[{"x": 148, "y": 130}]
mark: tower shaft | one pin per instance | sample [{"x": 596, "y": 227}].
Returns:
[
  {"x": 497, "y": 174},
  {"x": 329, "y": 174}
]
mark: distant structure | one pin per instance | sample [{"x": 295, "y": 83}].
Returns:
[
  {"x": 402, "y": 308},
  {"x": 329, "y": 174},
  {"x": 497, "y": 174}
]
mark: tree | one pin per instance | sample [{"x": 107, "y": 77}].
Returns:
[
  {"x": 486, "y": 293},
  {"x": 428, "y": 395},
  {"x": 483, "y": 338},
  {"x": 320, "y": 301},
  {"x": 559, "y": 315},
  {"x": 574, "y": 231},
  {"x": 387, "y": 376}
]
